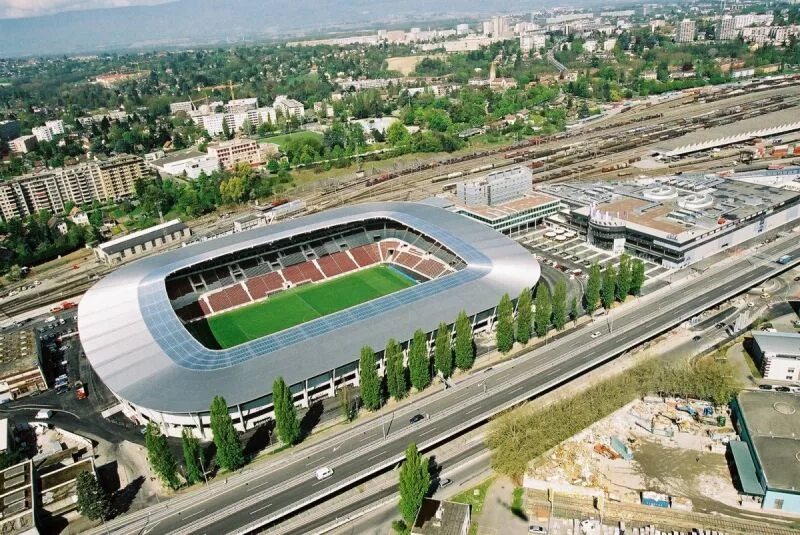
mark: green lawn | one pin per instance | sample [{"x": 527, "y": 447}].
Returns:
[
  {"x": 280, "y": 140},
  {"x": 299, "y": 305}
]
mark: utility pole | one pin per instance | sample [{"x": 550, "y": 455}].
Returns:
[{"x": 203, "y": 468}]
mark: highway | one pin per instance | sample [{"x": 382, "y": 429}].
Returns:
[{"x": 265, "y": 493}]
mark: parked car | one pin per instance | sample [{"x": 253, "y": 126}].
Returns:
[
  {"x": 696, "y": 338},
  {"x": 765, "y": 387},
  {"x": 537, "y": 529},
  {"x": 596, "y": 334},
  {"x": 445, "y": 483},
  {"x": 782, "y": 389}
]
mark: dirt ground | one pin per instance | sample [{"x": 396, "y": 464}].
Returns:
[{"x": 407, "y": 64}]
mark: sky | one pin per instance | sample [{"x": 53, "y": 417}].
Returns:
[{"x": 16, "y": 9}]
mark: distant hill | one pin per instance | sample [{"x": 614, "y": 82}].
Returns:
[{"x": 185, "y": 23}]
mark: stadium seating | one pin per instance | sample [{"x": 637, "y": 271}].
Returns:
[
  {"x": 228, "y": 298},
  {"x": 430, "y": 268},
  {"x": 178, "y": 287},
  {"x": 366, "y": 255},
  {"x": 304, "y": 272},
  {"x": 264, "y": 285}
]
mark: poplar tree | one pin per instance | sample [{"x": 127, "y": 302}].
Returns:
[
  {"x": 230, "y": 454},
  {"x": 370, "y": 382},
  {"x": 419, "y": 365},
  {"x": 609, "y": 287},
  {"x": 162, "y": 462},
  {"x": 560, "y": 305},
  {"x": 637, "y": 276},
  {"x": 191, "y": 456},
  {"x": 505, "y": 326},
  {"x": 93, "y": 502},
  {"x": 544, "y": 310},
  {"x": 395, "y": 371},
  {"x": 286, "y": 422},
  {"x": 592, "y": 296},
  {"x": 464, "y": 347},
  {"x": 414, "y": 483},
  {"x": 624, "y": 278},
  {"x": 524, "y": 316},
  {"x": 443, "y": 352}
]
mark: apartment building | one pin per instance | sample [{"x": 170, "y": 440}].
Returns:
[
  {"x": 23, "y": 144},
  {"x": 52, "y": 189},
  {"x": 726, "y": 30},
  {"x": 42, "y": 133},
  {"x": 686, "y": 31},
  {"x": 241, "y": 104},
  {"x": 55, "y": 126},
  {"x": 229, "y": 153},
  {"x": 289, "y": 107}
]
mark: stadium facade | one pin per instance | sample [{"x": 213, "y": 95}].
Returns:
[{"x": 142, "y": 326}]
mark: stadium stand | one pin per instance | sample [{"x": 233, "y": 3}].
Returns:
[
  {"x": 366, "y": 255},
  {"x": 263, "y": 285}
]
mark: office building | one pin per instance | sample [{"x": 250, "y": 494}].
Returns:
[
  {"x": 496, "y": 187},
  {"x": 685, "y": 32},
  {"x": 778, "y": 355},
  {"x": 80, "y": 184},
  {"x": 133, "y": 245},
  {"x": 23, "y": 144}
]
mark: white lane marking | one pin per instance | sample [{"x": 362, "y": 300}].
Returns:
[
  {"x": 194, "y": 514},
  {"x": 376, "y": 456},
  {"x": 254, "y": 511}
]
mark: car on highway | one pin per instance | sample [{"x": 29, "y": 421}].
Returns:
[
  {"x": 765, "y": 387},
  {"x": 696, "y": 338},
  {"x": 445, "y": 483},
  {"x": 44, "y": 414},
  {"x": 323, "y": 473},
  {"x": 782, "y": 389},
  {"x": 416, "y": 418},
  {"x": 537, "y": 529},
  {"x": 596, "y": 334}
]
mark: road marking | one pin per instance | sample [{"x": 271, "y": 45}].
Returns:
[
  {"x": 261, "y": 485},
  {"x": 376, "y": 456},
  {"x": 194, "y": 514},
  {"x": 476, "y": 409},
  {"x": 428, "y": 432},
  {"x": 521, "y": 387},
  {"x": 260, "y": 509}
]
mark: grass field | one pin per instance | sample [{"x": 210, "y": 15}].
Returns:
[
  {"x": 280, "y": 140},
  {"x": 299, "y": 305}
]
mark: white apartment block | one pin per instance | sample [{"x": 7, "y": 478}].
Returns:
[
  {"x": 42, "y": 133},
  {"x": 751, "y": 19},
  {"x": 212, "y": 122},
  {"x": 757, "y": 35},
  {"x": 685, "y": 32},
  {"x": 23, "y": 144},
  {"x": 56, "y": 127},
  {"x": 241, "y": 105},
  {"x": 289, "y": 107},
  {"x": 229, "y": 153},
  {"x": 186, "y": 107},
  {"x": 590, "y": 46},
  {"x": 778, "y": 355},
  {"x": 609, "y": 44},
  {"x": 726, "y": 30},
  {"x": 52, "y": 189},
  {"x": 532, "y": 42}
]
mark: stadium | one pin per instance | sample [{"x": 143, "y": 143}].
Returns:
[{"x": 297, "y": 299}]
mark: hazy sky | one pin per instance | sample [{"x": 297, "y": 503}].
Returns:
[{"x": 12, "y": 9}]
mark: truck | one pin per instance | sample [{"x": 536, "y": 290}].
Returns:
[{"x": 80, "y": 390}]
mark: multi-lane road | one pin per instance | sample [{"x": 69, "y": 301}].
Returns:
[{"x": 267, "y": 493}]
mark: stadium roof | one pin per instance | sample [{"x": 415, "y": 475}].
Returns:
[{"x": 143, "y": 353}]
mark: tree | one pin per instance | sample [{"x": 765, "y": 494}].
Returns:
[
  {"x": 397, "y": 134},
  {"x": 609, "y": 287},
  {"x": 395, "y": 371},
  {"x": 443, "y": 352},
  {"x": 191, "y": 457},
  {"x": 369, "y": 380},
  {"x": 415, "y": 480},
  {"x": 230, "y": 454},
  {"x": 160, "y": 456},
  {"x": 93, "y": 502},
  {"x": 637, "y": 276},
  {"x": 505, "y": 326},
  {"x": 560, "y": 305},
  {"x": 524, "y": 317},
  {"x": 286, "y": 422},
  {"x": 419, "y": 365},
  {"x": 591, "y": 297},
  {"x": 544, "y": 310},
  {"x": 14, "y": 273},
  {"x": 573, "y": 309},
  {"x": 624, "y": 277},
  {"x": 345, "y": 397},
  {"x": 226, "y": 130},
  {"x": 464, "y": 347}
]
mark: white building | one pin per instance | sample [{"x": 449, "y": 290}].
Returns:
[
  {"x": 590, "y": 46},
  {"x": 462, "y": 29},
  {"x": 229, "y": 153},
  {"x": 496, "y": 187},
  {"x": 752, "y": 19},
  {"x": 42, "y": 133},
  {"x": 685, "y": 32},
  {"x": 186, "y": 107},
  {"x": 23, "y": 144},
  {"x": 289, "y": 107},
  {"x": 133, "y": 245},
  {"x": 532, "y": 42},
  {"x": 726, "y": 30},
  {"x": 778, "y": 355},
  {"x": 241, "y": 104},
  {"x": 189, "y": 164},
  {"x": 609, "y": 44},
  {"x": 56, "y": 127}
]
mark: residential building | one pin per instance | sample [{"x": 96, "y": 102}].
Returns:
[
  {"x": 752, "y": 19},
  {"x": 241, "y": 104},
  {"x": 496, "y": 187},
  {"x": 500, "y": 26},
  {"x": 766, "y": 456},
  {"x": 20, "y": 366},
  {"x": 56, "y": 127},
  {"x": 234, "y": 151},
  {"x": 462, "y": 29},
  {"x": 190, "y": 164},
  {"x": 186, "y": 107},
  {"x": 289, "y": 107},
  {"x": 441, "y": 517},
  {"x": 649, "y": 75},
  {"x": 778, "y": 355},
  {"x": 42, "y": 133},
  {"x": 609, "y": 44},
  {"x": 133, "y": 245},
  {"x": 23, "y": 144},
  {"x": 726, "y": 31},
  {"x": 685, "y": 32},
  {"x": 757, "y": 35},
  {"x": 532, "y": 42},
  {"x": 78, "y": 216},
  {"x": 80, "y": 184},
  {"x": 17, "y": 503},
  {"x": 9, "y": 130}
]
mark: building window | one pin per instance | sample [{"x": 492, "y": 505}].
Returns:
[{"x": 779, "y": 503}]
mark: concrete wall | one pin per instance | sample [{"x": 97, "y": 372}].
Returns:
[{"x": 791, "y": 502}]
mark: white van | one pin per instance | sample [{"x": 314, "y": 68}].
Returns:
[
  {"x": 44, "y": 414},
  {"x": 324, "y": 473}
]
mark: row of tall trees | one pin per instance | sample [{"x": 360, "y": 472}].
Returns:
[
  {"x": 613, "y": 284},
  {"x": 449, "y": 353}
]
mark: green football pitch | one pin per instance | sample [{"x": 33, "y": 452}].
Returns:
[{"x": 299, "y": 305}]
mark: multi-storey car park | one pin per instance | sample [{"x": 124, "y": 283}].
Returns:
[{"x": 298, "y": 299}]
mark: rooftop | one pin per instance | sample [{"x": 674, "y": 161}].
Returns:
[
  {"x": 179, "y": 157},
  {"x": 142, "y": 236},
  {"x": 449, "y": 522},
  {"x": 510, "y": 208},
  {"x": 18, "y": 352},
  {"x": 16, "y": 500},
  {"x": 778, "y": 343},
  {"x": 773, "y": 422}
]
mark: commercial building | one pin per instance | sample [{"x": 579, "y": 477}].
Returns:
[
  {"x": 441, "y": 517},
  {"x": 23, "y": 144},
  {"x": 511, "y": 217},
  {"x": 677, "y": 220},
  {"x": 135, "y": 322},
  {"x": 9, "y": 130},
  {"x": 766, "y": 457},
  {"x": 80, "y": 184},
  {"x": 133, "y": 245},
  {"x": 20, "y": 365},
  {"x": 778, "y": 355},
  {"x": 685, "y": 31},
  {"x": 496, "y": 187},
  {"x": 289, "y": 107},
  {"x": 234, "y": 151},
  {"x": 190, "y": 164},
  {"x": 726, "y": 30}
]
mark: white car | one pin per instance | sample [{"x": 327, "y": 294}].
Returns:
[
  {"x": 323, "y": 473},
  {"x": 596, "y": 334}
]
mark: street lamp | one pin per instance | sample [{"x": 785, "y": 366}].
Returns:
[{"x": 203, "y": 468}]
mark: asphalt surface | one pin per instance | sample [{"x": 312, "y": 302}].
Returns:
[{"x": 263, "y": 493}]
